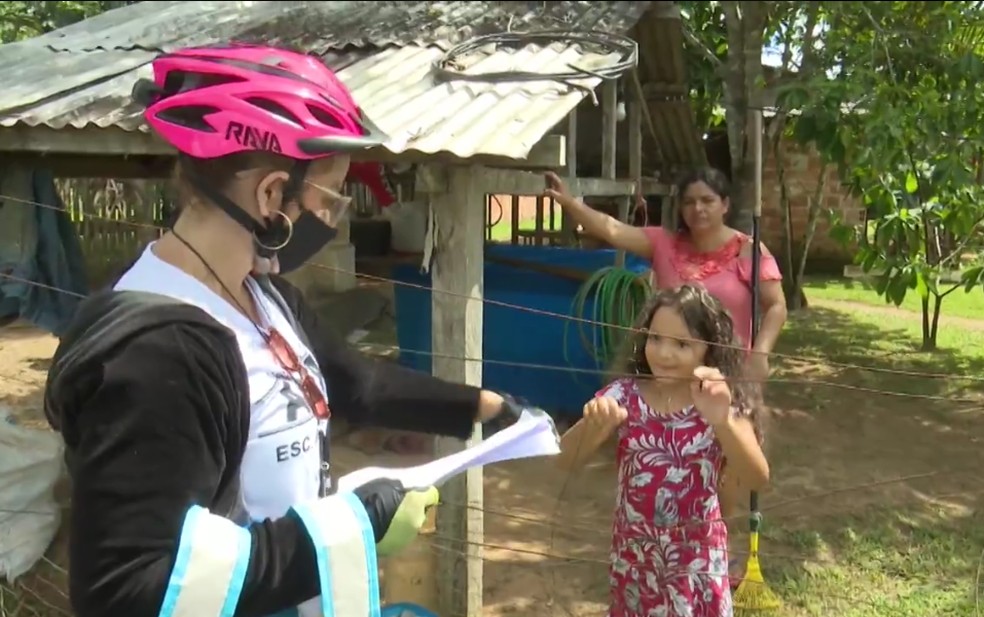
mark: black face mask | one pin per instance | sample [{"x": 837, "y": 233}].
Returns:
[
  {"x": 304, "y": 238},
  {"x": 310, "y": 236}
]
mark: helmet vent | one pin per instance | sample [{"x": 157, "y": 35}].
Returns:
[
  {"x": 323, "y": 117},
  {"x": 276, "y": 109},
  {"x": 189, "y": 116}
]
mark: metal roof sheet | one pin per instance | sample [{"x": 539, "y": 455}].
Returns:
[{"x": 80, "y": 76}]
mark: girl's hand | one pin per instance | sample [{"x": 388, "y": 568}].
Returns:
[
  {"x": 711, "y": 394},
  {"x": 605, "y": 413},
  {"x": 556, "y": 189}
]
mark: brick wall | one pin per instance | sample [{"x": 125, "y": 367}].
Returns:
[{"x": 802, "y": 172}]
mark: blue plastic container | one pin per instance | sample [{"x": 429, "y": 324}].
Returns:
[{"x": 516, "y": 336}]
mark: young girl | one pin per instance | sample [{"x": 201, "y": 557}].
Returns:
[{"x": 676, "y": 421}]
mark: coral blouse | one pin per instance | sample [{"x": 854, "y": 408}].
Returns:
[{"x": 725, "y": 273}]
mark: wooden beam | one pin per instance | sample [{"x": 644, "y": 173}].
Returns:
[
  {"x": 457, "y": 311},
  {"x": 93, "y": 166},
  {"x": 518, "y": 182},
  {"x": 548, "y": 153}
]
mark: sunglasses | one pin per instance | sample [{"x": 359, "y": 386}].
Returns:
[
  {"x": 289, "y": 361},
  {"x": 338, "y": 204}
]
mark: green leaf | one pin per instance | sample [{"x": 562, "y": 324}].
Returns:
[
  {"x": 897, "y": 288},
  {"x": 911, "y": 184},
  {"x": 972, "y": 277},
  {"x": 883, "y": 282},
  {"x": 920, "y": 284}
]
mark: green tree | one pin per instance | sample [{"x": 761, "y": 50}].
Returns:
[
  {"x": 22, "y": 20},
  {"x": 725, "y": 42},
  {"x": 903, "y": 118}
]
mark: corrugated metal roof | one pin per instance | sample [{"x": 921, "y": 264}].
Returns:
[
  {"x": 321, "y": 26},
  {"x": 663, "y": 68},
  {"x": 392, "y": 85},
  {"x": 81, "y": 76}
]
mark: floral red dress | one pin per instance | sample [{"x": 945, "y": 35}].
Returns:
[{"x": 669, "y": 546}]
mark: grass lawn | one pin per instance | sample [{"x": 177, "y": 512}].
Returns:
[
  {"x": 876, "y": 507},
  {"x": 893, "y": 548},
  {"x": 875, "y": 504},
  {"x": 502, "y": 232},
  {"x": 958, "y": 304}
]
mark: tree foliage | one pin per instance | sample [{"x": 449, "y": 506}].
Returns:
[
  {"x": 892, "y": 94},
  {"x": 725, "y": 42},
  {"x": 22, "y": 20},
  {"x": 903, "y": 118},
  {"x": 724, "y": 51}
]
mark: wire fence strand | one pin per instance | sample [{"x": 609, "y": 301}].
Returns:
[
  {"x": 596, "y": 530},
  {"x": 544, "y": 313}
]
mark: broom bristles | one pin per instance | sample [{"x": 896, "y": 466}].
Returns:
[{"x": 753, "y": 594}]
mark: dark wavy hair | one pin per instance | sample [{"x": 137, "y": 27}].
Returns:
[
  {"x": 708, "y": 321},
  {"x": 715, "y": 179}
]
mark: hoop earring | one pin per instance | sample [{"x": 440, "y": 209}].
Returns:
[{"x": 290, "y": 234}]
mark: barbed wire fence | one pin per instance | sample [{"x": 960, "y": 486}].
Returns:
[{"x": 555, "y": 548}]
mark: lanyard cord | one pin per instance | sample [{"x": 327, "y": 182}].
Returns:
[{"x": 325, "y": 484}]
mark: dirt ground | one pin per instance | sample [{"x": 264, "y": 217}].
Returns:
[{"x": 546, "y": 533}]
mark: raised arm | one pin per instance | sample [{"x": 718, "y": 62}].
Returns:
[
  {"x": 598, "y": 224},
  {"x": 743, "y": 452},
  {"x": 601, "y": 419}
]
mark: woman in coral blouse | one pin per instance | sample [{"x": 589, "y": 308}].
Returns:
[{"x": 702, "y": 249}]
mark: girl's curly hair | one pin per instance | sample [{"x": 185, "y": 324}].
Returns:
[{"x": 708, "y": 321}]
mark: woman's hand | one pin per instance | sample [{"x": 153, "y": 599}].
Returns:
[
  {"x": 604, "y": 413},
  {"x": 711, "y": 395},
  {"x": 490, "y": 405},
  {"x": 556, "y": 189},
  {"x": 396, "y": 513}
]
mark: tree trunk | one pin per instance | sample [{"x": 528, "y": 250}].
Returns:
[
  {"x": 745, "y": 22},
  {"x": 813, "y": 217},
  {"x": 929, "y": 337}
]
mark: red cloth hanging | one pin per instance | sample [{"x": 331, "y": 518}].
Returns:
[{"x": 371, "y": 175}]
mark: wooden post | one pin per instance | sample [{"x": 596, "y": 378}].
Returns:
[
  {"x": 514, "y": 229},
  {"x": 609, "y": 142},
  {"x": 457, "y": 309},
  {"x": 634, "y": 118},
  {"x": 566, "y": 222},
  {"x": 609, "y": 127}
]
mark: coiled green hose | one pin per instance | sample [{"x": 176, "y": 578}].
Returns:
[{"x": 618, "y": 295}]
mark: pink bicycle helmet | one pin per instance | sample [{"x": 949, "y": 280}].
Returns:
[{"x": 213, "y": 101}]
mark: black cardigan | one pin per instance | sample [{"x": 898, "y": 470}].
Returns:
[{"x": 151, "y": 397}]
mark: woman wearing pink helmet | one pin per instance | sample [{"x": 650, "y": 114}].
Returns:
[{"x": 194, "y": 396}]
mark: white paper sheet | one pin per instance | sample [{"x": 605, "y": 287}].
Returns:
[{"x": 532, "y": 435}]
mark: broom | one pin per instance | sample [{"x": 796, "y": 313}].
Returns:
[{"x": 753, "y": 594}]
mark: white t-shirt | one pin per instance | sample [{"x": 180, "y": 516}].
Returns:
[{"x": 282, "y": 462}]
